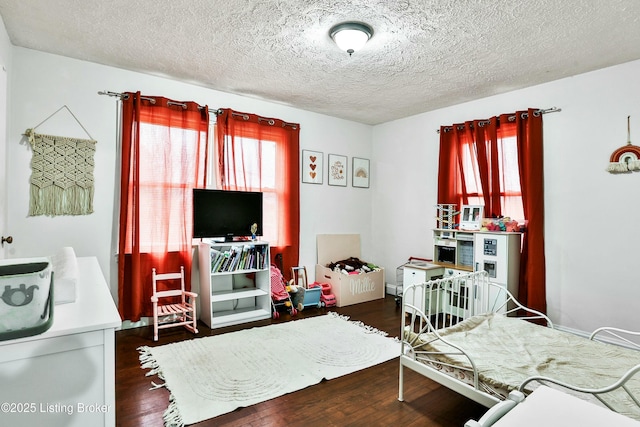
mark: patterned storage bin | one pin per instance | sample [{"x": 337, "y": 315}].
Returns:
[{"x": 26, "y": 297}]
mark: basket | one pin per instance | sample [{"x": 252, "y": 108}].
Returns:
[{"x": 26, "y": 302}]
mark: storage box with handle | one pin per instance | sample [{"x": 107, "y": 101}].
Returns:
[{"x": 26, "y": 297}]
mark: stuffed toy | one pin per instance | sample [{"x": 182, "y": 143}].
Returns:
[
  {"x": 500, "y": 224},
  {"x": 297, "y": 295},
  {"x": 352, "y": 265},
  {"x": 512, "y": 226}
]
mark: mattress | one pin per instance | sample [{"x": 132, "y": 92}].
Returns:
[{"x": 506, "y": 351}]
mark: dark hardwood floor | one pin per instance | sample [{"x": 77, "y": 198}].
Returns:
[{"x": 365, "y": 398}]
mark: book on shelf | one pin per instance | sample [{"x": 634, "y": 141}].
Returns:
[{"x": 239, "y": 257}]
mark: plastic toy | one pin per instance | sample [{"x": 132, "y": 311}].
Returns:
[
  {"x": 279, "y": 294},
  {"x": 327, "y": 299}
]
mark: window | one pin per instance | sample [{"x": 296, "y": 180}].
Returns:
[
  {"x": 254, "y": 163},
  {"x": 254, "y": 153},
  {"x": 173, "y": 148},
  {"x": 507, "y": 178}
]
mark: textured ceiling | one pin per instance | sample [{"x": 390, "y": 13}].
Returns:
[{"x": 424, "y": 54}]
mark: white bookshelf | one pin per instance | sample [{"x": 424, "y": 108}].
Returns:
[{"x": 235, "y": 282}]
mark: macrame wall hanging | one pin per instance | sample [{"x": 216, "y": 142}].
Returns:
[
  {"x": 625, "y": 159},
  {"x": 61, "y": 173}
]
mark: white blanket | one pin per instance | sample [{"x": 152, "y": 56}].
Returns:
[{"x": 507, "y": 351}]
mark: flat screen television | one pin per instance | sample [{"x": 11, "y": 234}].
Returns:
[{"x": 228, "y": 214}]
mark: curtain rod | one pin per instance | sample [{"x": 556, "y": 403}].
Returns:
[
  {"x": 150, "y": 99},
  {"x": 217, "y": 111},
  {"x": 511, "y": 118}
]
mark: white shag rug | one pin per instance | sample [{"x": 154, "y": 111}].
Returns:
[{"x": 211, "y": 376}]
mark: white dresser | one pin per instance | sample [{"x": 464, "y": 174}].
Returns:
[{"x": 65, "y": 376}]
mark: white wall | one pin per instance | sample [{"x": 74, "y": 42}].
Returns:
[
  {"x": 41, "y": 83},
  {"x": 591, "y": 229},
  {"x": 591, "y": 216}
]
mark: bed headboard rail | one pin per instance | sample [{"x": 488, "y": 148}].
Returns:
[{"x": 445, "y": 302}]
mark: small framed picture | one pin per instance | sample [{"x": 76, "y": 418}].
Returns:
[
  {"x": 312, "y": 167},
  {"x": 360, "y": 170},
  {"x": 337, "y": 170}
]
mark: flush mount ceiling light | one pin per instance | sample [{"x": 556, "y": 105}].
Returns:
[{"x": 351, "y": 36}]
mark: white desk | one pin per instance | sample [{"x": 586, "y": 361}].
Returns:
[
  {"x": 65, "y": 376},
  {"x": 552, "y": 408}
]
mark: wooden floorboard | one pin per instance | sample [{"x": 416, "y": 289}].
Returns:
[{"x": 365, "y": 398}]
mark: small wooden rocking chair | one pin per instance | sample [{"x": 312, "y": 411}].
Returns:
[{"x": 184, "y": 312}]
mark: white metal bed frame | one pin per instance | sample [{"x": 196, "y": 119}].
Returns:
[
  {"x": 620, "y": 336},
  {"x": 431, "y": 306}
]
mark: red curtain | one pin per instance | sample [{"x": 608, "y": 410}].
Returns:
[
  {"x": 261, "y": 154},
  {"x": 164, "y": 148},
  {"x": 531, "y": 160},
  {"x": 469, "y": 165},
  {"x": 474, "y": 165}
]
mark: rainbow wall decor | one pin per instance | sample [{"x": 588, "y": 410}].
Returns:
[{"x": 625, "y": 159}]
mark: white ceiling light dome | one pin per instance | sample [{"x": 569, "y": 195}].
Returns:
[{"x": 351, "y": 36}]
